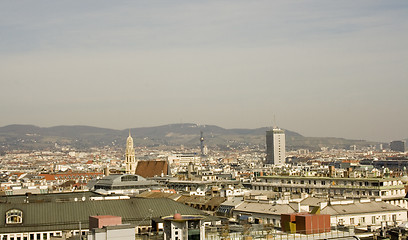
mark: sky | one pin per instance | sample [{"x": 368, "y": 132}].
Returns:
[{"x": 320, "y": 68}]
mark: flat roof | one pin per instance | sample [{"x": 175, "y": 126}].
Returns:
[{"x": 331, "y": 178}]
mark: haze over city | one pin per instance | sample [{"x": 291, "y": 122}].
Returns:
[{"x": 322, "y": 68}]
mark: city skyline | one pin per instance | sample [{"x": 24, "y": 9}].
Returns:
[{"x": 324, "y": 69}]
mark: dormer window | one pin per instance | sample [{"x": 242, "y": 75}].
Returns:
[{"x": 14, "y": 216}]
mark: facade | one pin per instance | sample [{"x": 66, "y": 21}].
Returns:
[
  {"x": 390, "y": 190},
  {"x": 107, "y": 227},
  {"x": 179, "y": 227},
  {"x": 184, "y": 159},
  {"x": 130, "y": 159},
  {"x": 117, "y": 232},
  {"x": 193, "y": 185},
  {"x": 275, "y": 147},
  {"x": 305, "y": 223},
  {"x": 261, "y": 212},
  {"x": 398, "y": 146},
  {"x": 364, "y": 213}
]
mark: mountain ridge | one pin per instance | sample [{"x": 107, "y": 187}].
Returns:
[{"x": 20, "y": 136}]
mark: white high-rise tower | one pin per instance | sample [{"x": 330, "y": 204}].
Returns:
[
  {"x": 130, "y": 156},
  {"x": 275, "y": 147}
]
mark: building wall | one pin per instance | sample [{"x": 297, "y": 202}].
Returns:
[
  {"x": 260, "y": 218},
  {"x": 101, "y": 221},
  {"x": 398, "y": 146},
  {"x": 39, "y": 235},
  {"x": 390, "y": 191},
  {"x": 275, "y": 147},
  {"x": 115, "y": 234},
  {"x": 375, "y": 218},
  {"x": 184, "y": 159}
]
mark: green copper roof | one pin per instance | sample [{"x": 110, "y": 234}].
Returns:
[{"x": 49, "y": 216}]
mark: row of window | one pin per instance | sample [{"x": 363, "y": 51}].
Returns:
[
  {"x": 30, "y": 236},
  {"x": 345, "y": 183},
  {"x": 374, "y": 220},
  {"x": 318, "y": 190},
  {"x": 122, "y": 187},
  {"x": 322, "y": 182}
]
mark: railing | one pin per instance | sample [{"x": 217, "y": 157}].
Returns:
[
  {"x": 260, "y": 232},
  {"x": 337, "y": 186}
]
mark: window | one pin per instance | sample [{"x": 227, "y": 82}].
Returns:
[
  {"x": 373, "y": 220},
  {"x": 394, "y": 217},
  {"x": 14, "y": 216},
  {"x": 351, "y": 221},
  {"x": 384, "y": 217},
  {"x": 128, "y": 178},
  {"x": 362, "y": 220}
]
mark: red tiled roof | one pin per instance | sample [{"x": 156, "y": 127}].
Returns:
[{"x": 50, "y": 177}]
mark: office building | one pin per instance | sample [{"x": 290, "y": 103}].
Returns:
[
  {"x": 398, "y": 146},
  {"x": 275, "y": 147}
]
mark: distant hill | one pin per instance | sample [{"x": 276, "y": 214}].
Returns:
[{"x": 187, "y": 134}]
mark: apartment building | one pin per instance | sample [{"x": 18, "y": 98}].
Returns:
[{"x": 389, "y": 190}]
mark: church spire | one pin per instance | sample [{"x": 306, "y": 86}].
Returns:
[{"x": 130, "y": 160}]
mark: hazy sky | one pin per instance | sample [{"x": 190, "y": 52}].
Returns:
[{"x": 324, "y": 68}]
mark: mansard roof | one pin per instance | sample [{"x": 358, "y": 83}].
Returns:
[
  {"x": 124, "y": 180},
  {"x": 56, "y": 216}
]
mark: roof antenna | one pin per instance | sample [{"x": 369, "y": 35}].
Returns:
[{"x": 274, "y": 121}]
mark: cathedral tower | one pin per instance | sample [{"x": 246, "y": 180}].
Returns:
[{"x": 130, "y": 156}]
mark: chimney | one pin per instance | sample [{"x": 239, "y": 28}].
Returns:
[
  {"x": 331, "y": 171},
  {"x": 106, "y": 170}
]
